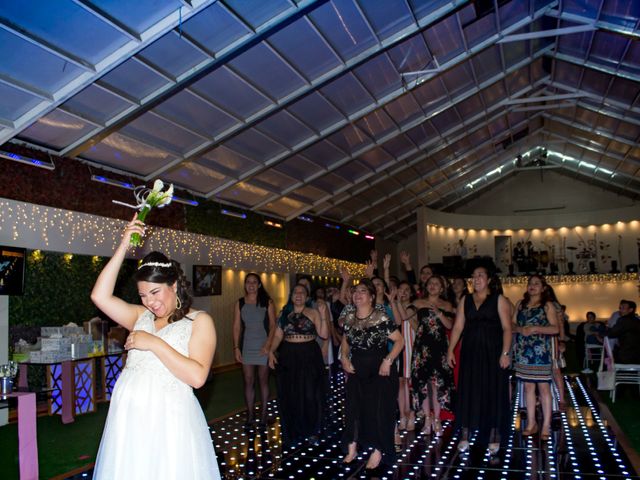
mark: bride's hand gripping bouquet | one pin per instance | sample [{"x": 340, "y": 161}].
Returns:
[{"x": 147, "y": 199}]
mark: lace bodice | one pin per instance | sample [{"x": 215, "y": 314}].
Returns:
[{"x": 176, "y": 334}]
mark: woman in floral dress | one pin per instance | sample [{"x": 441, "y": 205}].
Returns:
[
  {"x": 535, "y": 322},
  {"x": 431, "y": 376}
]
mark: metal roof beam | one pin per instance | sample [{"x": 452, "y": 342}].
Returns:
[
  {"x": 112, "y": 60},
  {"x": 488, "y": 160},
  {"x": 458, "y": 158},
  {"x": 403, "y": 129},
  {"x": 585, "y": 63},
  {"x": 386, "y": 99},
  {"x": 601, "y": 25},
  {"x": 316, "y": 84},
  {"x": 46, "y": 45},
  {"x": 204, "y": 68}
]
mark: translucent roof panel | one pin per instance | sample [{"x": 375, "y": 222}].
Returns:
[
  {"x": 284, "y": 207},
  {"x": 379, "y": 76},
  {"x": 15, "y": 103},
  {"x": 388, "y": 17},
  {"x": 275, "y": 180},
  {"x": 244, "y": 193},
  {"x": 257, "y": 12},
  {"x": 308, "y": 194},
  {"x": 347, "y": 94},
  {"x": 352, "y": 171},
  {"x": 227, "y": 161},
  {"x": 84, "y": 35},
  {"x": 344, "y": 27},
  {"x": 350, "y": 139},
  {"x": 134, "y": 79},
  {"x": 377, "y": 124},
  {"x": 323, "y": 153},
  {"x": 155, "y": 130},
  {"x": 198, "y": 177},
  {"x": 282, "y": 78},
  {"x": 303, "y": 47},
  {"x": 285, "y": 129},
  {"x": 234, "y": 95},
  {"x": 252, "y": 144},
  {"x": 128, "y": 154},
  {"x": 329, "y": 183},
  {"x": 188, "y": 109},
  {"x": 53, "y": 72},
  {"x": 139, "y": 15},
  {"x": 97, "y": 104},
  {"x": 173, "y": 55},
  {"x": 316, "y": 111},
  {"x": 445, "y": 39},
  {"x": 228, "y": 29},
  {"x": 298, "y": 167},
  {"x": 57, "y": 129}
]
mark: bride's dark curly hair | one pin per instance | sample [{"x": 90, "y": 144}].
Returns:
[{"x": 168, "y": 272}]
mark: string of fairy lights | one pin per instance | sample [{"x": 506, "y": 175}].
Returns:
[{"x": 42, "y": 227}]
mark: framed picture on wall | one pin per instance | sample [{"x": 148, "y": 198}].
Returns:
[
  {"x": 12, "y": 268},
  {"x": 207, "y": 280}
]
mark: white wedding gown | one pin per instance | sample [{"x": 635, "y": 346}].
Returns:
[{"x": 155, "y": 428}]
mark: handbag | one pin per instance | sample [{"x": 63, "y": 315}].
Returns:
[{"x": 606, "y": 380}]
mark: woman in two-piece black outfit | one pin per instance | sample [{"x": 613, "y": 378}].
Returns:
[
  {"x": 300, "y": 374},
  {"x": 483, "y": 322},
  {"x": 372, "y": 383}
]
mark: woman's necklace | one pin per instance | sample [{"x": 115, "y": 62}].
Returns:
[{"x": 366, "y": 317}]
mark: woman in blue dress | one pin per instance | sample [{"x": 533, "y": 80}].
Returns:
[{"x": 535, "y": 323}]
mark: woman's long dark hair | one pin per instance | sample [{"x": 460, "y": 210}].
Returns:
[
  {"x": 263, "y": 297},
  {"x": 168, "y": 272},
  {"x": 544, "y": 295}
]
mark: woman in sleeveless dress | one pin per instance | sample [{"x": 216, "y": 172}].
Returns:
[
  {"x": 155, "y": 428},
  {"x": 483, "y": 322},
  {"x": 431, "y": 375},
  {"x": 300, "y": 373},
  {"x": 535, "y": 322},
  {"x": 254, "y": 322}
]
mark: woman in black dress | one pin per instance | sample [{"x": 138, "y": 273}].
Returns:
[
  {"x": 300, "y": 375},
  {"x": 372, "y": 384},
  {"x": 483, "y": 322}
]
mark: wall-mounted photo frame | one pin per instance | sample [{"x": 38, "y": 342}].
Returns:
[
  {"x": 207, "y": 280},
  {"x": 12, "y": 270}
]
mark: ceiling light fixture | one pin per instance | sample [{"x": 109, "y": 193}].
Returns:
[
  {"x": 26, "y": 160},
  {"x": 231, "y": 213}
]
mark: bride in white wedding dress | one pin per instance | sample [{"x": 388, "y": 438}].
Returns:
[{"x": 155, "y": 428}]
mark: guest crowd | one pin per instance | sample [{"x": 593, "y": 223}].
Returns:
[{"x": 415, "y": 351}]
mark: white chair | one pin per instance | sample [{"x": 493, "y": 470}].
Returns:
[
  {"x": 626, "y": 373},
  {"x": 592, "y": 353}
]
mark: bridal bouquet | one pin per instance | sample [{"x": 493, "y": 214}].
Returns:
[{"x": 147, "y": 198}]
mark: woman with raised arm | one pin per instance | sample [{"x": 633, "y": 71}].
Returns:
[
  {"x": 535, "y": 322},
  {"x": 301, "y": 378},
  {"x": 254, "y": 322},
  {"x": 483, "y": 322},
  {"x": 155, "y": 427},
  {"x": 372, "y": 384}
]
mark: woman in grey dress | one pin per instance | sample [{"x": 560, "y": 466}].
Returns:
[{"x": 254, "y": 323}]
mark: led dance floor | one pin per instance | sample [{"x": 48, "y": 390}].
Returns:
[{"x": 581, "y": 447}]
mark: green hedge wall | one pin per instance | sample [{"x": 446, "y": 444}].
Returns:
[{"x": 57, "y": 289}]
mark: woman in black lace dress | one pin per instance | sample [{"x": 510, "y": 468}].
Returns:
[
  {"x": 372, "y": 384},
  {"x": 300, "y": 370},
  {"x": 483, "y": 322}
]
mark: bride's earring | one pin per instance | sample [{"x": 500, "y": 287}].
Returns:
[{"x": 178, "y": 303}]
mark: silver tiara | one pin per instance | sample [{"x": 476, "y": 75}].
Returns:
[{"x": 155, "y": 264}]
